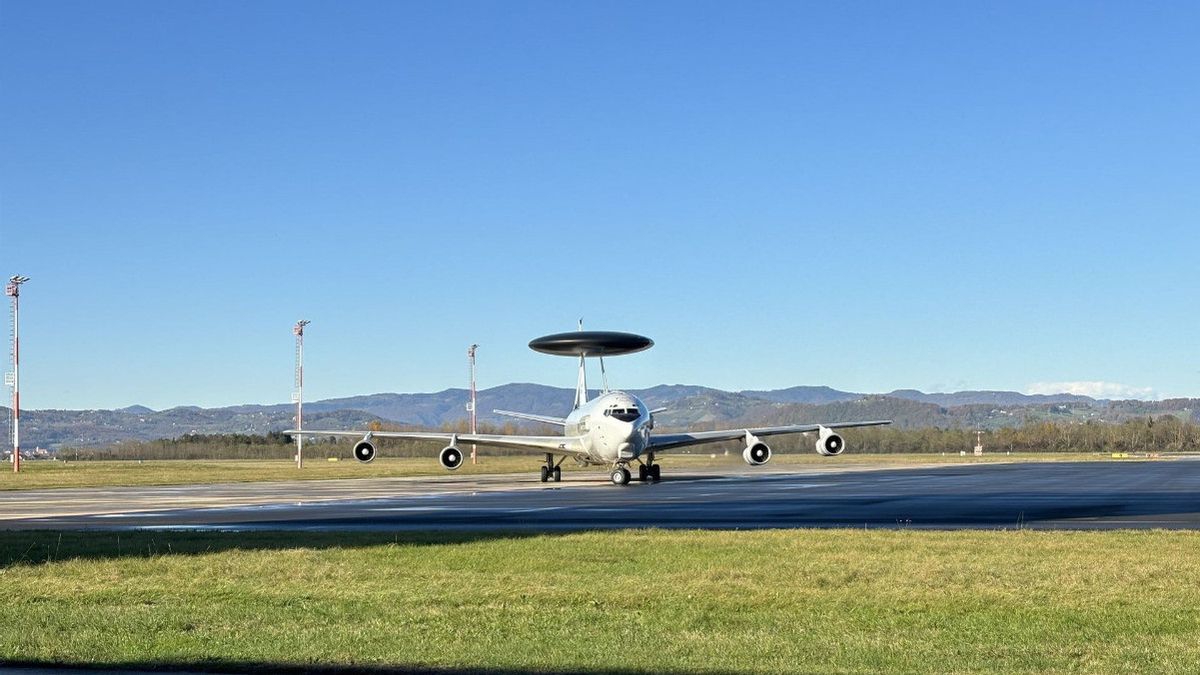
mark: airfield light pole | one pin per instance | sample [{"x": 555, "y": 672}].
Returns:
[
  {"x": 13, "y": 290},
  {"x": 471, "y": 403},
  {"x": 298, "y": 331}
]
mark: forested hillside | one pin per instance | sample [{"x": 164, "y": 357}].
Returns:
[{"x": 687, "y": 407}]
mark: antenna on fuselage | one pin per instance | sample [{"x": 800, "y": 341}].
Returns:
[{"x": 583, "y": 344}]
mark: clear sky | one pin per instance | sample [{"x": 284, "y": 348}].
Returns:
[{"x": 868, "y": 195}]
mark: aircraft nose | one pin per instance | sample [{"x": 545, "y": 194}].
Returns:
[{"x": 635, "y": 440}]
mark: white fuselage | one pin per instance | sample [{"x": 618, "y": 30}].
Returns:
[{"x": 615, "y": 427}]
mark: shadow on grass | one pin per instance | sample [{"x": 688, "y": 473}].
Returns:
[
  {"x": 297, "y": 669},
  {"x": 32, "y": 547}
]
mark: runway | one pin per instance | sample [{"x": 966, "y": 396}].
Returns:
[{"x": 1044, "y": 495}]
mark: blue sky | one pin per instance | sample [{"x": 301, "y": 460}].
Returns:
[{"x": 866, "y": 195}]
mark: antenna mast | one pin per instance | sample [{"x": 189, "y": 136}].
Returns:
[
  {"x": 471, "y": 403},
  {"x": 298, "y": 395},
  {"x": 13, "y": 290}
]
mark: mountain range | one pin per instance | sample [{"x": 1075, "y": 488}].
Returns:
[{"x": 688, "y": 406}]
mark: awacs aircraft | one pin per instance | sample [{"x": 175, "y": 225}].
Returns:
[{"x": 613, "y": 430}]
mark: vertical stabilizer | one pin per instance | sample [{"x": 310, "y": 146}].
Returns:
[{"x": 581, "y": 385}]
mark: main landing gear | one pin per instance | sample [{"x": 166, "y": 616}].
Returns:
[
  {"x": 649, "y": 473},
  {"x": 551, "y": 470}
]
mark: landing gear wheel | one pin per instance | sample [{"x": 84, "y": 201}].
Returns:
[
  {"x": 643, "y": 473},
  {"x": 620, "y": 476},
  {"x": 655, "y": 472},
  {"x": 557, "y": 474},
  {"x": 550, "y": 469}
]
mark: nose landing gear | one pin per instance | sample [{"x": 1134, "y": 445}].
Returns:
[
  {"x": 620, "y": 476},
  {"x": 648, "y": 472}
]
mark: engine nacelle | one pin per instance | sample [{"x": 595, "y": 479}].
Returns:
[
  {"x": 829, "y": 443},
  {"x": 450, "y": 457},
  {"x": 757, "y": 453},
  {"x": 364, "y": 451}
]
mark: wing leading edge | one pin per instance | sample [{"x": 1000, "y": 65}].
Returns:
[
  {"x": 544, "y": 419},
  {"x": 669, "y": 441},
  {"x": 560, "y": 444}
]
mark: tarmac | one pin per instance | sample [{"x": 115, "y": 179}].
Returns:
[{"x": 1114, "y": 494}]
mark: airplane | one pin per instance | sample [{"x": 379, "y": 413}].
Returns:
[{"x": 613, "y": 430}]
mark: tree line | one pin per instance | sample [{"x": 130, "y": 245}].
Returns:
[{"x": 1150, "y": 434}]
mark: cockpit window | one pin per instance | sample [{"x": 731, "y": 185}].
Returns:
[{"x": 624, "y": 414}]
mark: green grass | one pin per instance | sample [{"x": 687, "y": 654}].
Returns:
[
  {"x": 687, "y": 601},
  {"x": 46, "y": 474}
]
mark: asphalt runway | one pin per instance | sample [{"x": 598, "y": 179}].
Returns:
[{"x": 1045, "y": 495}]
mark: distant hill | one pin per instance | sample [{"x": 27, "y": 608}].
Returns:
[
  {"x": 93, "y": 428},
  {"x": 687, "y": 406},
  {"x": 819, "y": 395},
  {"x": 1005, "y": 398},
  {"x": 136, "y": 410},
  {"x": 804, "y": 395}
]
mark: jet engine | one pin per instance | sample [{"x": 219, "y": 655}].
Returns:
[
  {"x": 757, "y": 453},
  {"x": 364, "y": 451},
  {"x": 450, "y": 457},
  {"x": 829, "y": 444}
]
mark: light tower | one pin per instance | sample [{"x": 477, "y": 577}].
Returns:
[
  {"x": 471, "y": 403},
  {"x": 298, "y": 395},
  {"x": 13, "y": 290}
]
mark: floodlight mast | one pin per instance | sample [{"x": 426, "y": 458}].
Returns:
[
  {"x": 298, "y": 331},
  {"x": 13, "y": 290},
  {"x": 471, "y": 403}
]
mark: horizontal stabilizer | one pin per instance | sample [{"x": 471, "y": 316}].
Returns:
[{"x": 544, "y": 419}]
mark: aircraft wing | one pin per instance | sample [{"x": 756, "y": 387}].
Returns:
[
  {"x": 669, "y": 441},
  {"x": 556, "y": 444},
  {"x": 544, "y": 419}
]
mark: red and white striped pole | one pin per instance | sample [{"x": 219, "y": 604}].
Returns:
[{"x": 13, "y": 290}]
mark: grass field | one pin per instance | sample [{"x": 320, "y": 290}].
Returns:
[
  {"x": 48, "y": 474},
  {"x": 654, "y": 601}
]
